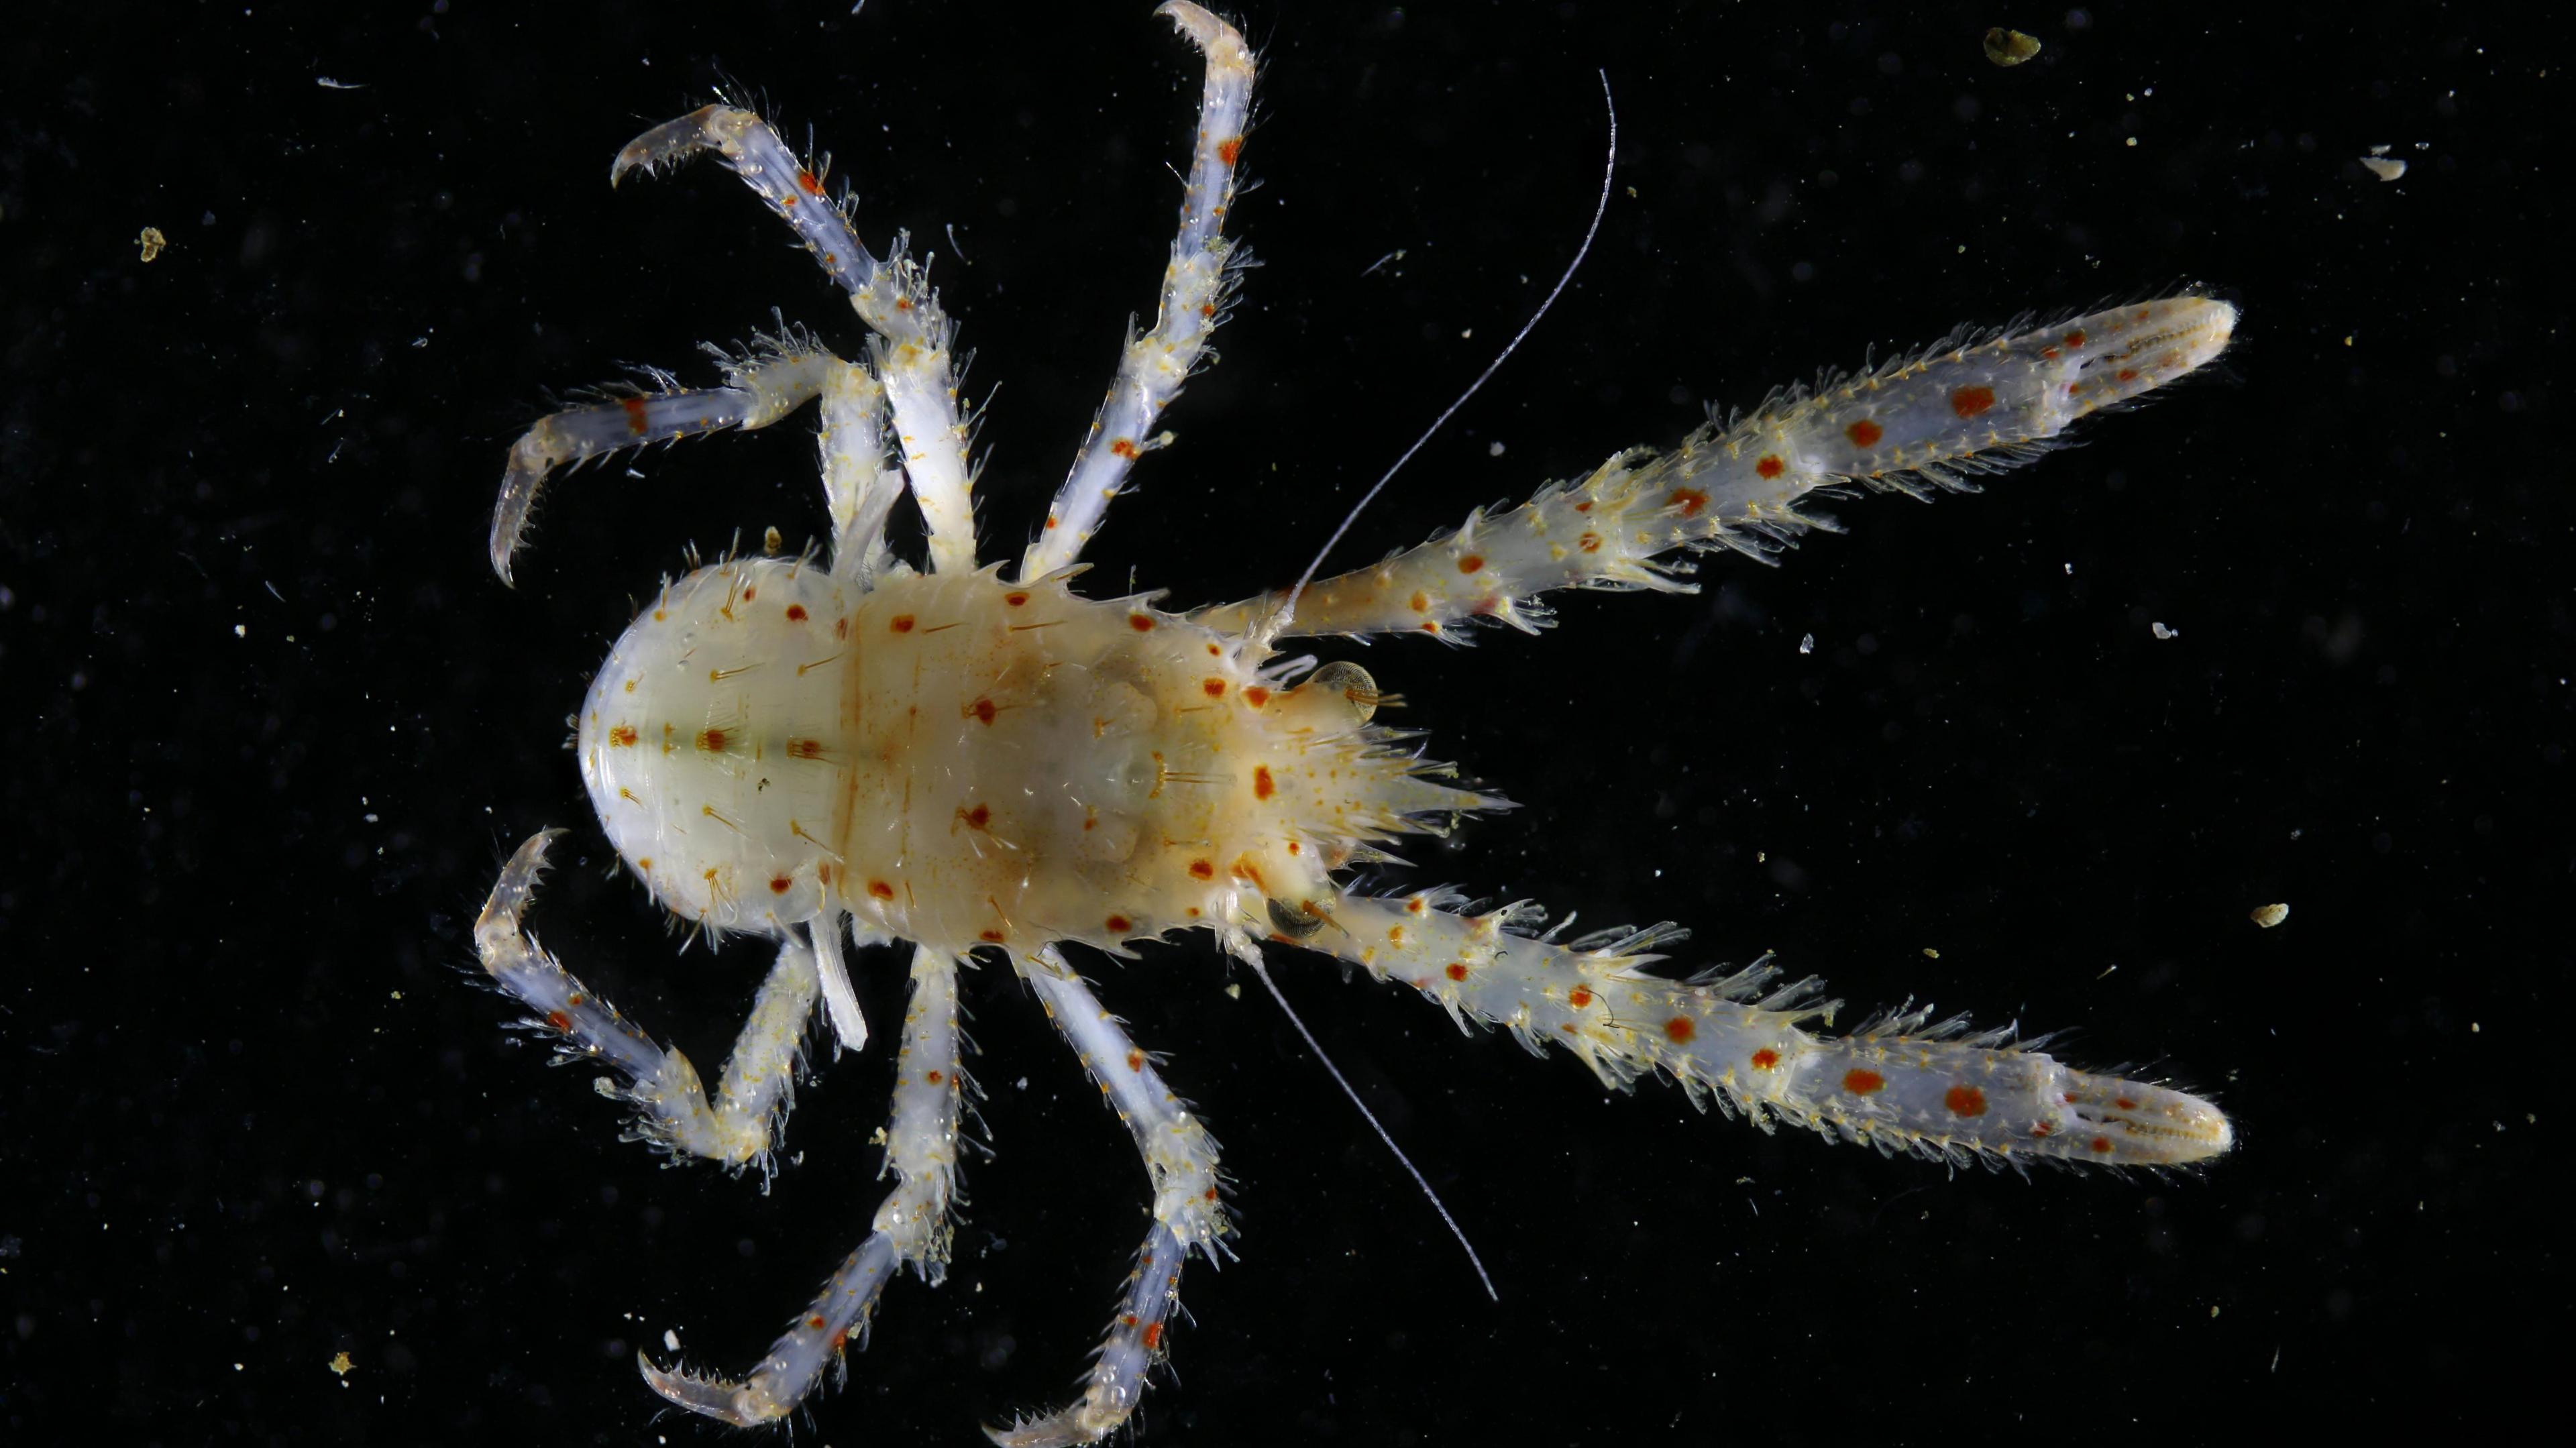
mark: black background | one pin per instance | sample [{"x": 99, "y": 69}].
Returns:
[{"x": 272, "y": 723}]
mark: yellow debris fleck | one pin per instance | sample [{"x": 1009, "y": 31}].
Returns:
[
  {"x": 152, "y": 241},
  {"x": 340, "y": 1364},
  {"x": 2268, "y": 916},
  {"x": 2010, "y": 47}
]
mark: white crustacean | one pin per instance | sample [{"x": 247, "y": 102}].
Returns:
[{"x": 974, "y": 758}]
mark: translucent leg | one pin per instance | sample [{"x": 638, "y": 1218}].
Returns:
[
  {"x": 1198, "y": 281},
  {"x": 1181, "y": 1157},
  {"x": 913, "y": 347},
  {"x": 751, "y": 1103},
  {"x": 911, "y": 1227},
  {"x": 773, "y": 380}
]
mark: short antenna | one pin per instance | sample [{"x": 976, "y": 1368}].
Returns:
[{"x": 1278, "y": 622}]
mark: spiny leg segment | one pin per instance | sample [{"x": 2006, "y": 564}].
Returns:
[
  {"x": 911, "y": 1227},
  {"x": 1198, "y": 287},
  {"x": 1181, "y": 1157},
  {"x": 1901, "y": 1082},
  {"x": 912, "y": 349},
  {"x": 758, "y": 1085},
  {"x": 1923, "y": 423}
]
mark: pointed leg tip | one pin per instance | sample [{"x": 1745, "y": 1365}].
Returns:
[{"x": 742, "y": 1406}]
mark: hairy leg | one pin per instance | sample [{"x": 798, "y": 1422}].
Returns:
[
  {"x": 1198, "y": 284},
  {"x": 751, "y": 1102},
  {"x": 1180, "y": 1156},
  {"x": 911, "y": 1226}
]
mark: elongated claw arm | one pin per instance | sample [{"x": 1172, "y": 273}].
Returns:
[
  {"x": 911, "y": 1226},
  {"x": 1902, "y": 1082},
  {"x": 1923, "y": 423},
  {"x": 1198, "y": 283},
  {"x": 741, "y": 1125}
]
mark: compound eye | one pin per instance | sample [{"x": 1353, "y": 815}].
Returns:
[
  {"x": 1294, "y": 921},
  {"x": 1357, "y": 690}
]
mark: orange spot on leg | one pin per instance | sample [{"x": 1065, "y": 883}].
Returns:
[
  {"x": 1965, "y": 1101},
  {"x": 1971, "y": 401}
]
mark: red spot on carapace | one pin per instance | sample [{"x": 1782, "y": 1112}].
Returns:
[
  {"x": 1415, "y": 905},
  {"x": 1589, "y": 543},
  {"x": 804, "y": 748},
  {"x": 841, "y": 1340},
  {"x": 806, "y": 183},
  {"x": 1154, "y": 1330},
  {"x": 1015, "y": 598},
  {"x": 713, "y": 741},
  {"x": 933, "y": 1077},
  {"x": 1865, "y": 433},
  {"x": 840, "y": 628},
  {"x": 1256, "y": 696},
  {"x": 1472, "y": 563},
  {"x": 1213, "y": 687},
  {"x": 623, "y": 736},
  {"x": 901, "y": 623},
  {"x": 780, "y": 884},
  {"x": 1120, "y": 925},
  {"x": 1579, "y": 997},
  {"x": 2075, "y": 339},
  {"x": 1681, "y": 1029},
  {"x": 1295, "y": 848},
  {"x": 982, "y": 709},
  {"x": 1135, "y": 1060},
  {"x": 559, "y": 1020},
  {"x": 2124, "y": 1103},
  {"x": 881, "y": 889},
  {"x": 815, "y": 1322},
  {"x": 2043, "y": 1129},
  {"x": 1689, "y": 500},
  {"x": 1965, "y": 1101},
  {"x": 2127, "y": 374},
  {"x": 751, "y": 593},
  {"x": 2101, "y": 1145},
  {"x": 636, "y": 418},
  {"x": 1769, "y": 466},
  {"x": 1226, "y": 151},
  {"x": 796, "y": 613},
  {"x": 903, "y": 304},
  {"x": 992, "y": 937},
  {"x": 1972, "y": 401},
  {"x": 1861, "y": 1082},
  {"x": 1421, "y": 601},
  {"x": 1765, "y": 1059},
  {"x": 1457, "y": 970},
  {"x": 977, "y": 817},
  {"x": 1262, "y": 788},
  {"x": 1202, "y": 869},
  {"x": 1125, "y": 447},
  {"x": 1141, "y": 622},
  {"x": 1584, "y": 507}
]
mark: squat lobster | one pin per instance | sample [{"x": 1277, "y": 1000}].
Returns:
[{"x": 970, "y": 762}]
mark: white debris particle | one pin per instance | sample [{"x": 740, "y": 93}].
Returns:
[
  {"x": 241, "y": 630},
  {"x": 1807, "y": 645},
  {"x": 2163, "y": 632},
  {"x": 1494, "y": 449},
  {"x": 2386, "y": 168},
  {"x": 671, "y": 1338},
  {"x": 2268, "y": 916}
]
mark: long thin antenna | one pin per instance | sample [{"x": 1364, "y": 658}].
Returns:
[
  {"x": 1278, "y": 622},
  {"x": 1263, "y": 971}
]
